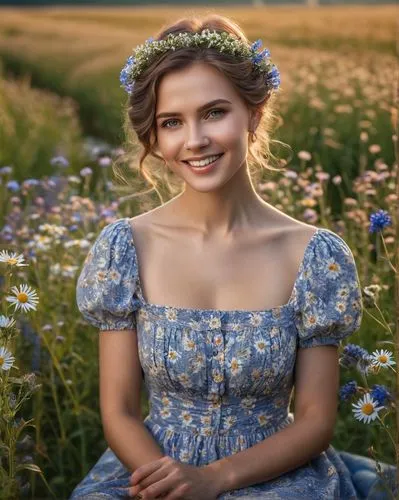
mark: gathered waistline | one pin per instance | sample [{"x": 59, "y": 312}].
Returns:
[{"x": 157, "y": 425}]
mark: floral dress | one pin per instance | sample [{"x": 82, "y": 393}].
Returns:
[{"x": 220, "y": 381}]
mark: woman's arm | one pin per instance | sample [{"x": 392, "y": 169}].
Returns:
[
  {"x": 316, "y": 386},
  {"x": 120, "y": 391}
]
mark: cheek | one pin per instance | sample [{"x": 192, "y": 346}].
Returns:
[
  {"x": 231, "y": 133},
  {"x": 170, "y": 144}
]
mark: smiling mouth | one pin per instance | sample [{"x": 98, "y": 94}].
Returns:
[{"x": 218, "y": 156}]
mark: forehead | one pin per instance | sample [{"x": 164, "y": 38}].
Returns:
[{"x": 193, "y": 85}]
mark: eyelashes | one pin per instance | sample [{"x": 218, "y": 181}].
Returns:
[{"x": 166, "y": 122}]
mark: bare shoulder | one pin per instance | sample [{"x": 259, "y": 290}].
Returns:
[
  {"x": 154, "y": 227},
  {"x": 295, "y": 238},
  {"x": 157, "y": 216}
]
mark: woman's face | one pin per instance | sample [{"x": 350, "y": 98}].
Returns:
[{"x": 188, "y": 130}]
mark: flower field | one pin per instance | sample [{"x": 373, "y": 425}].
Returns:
[{"x": 61, "y": 133}]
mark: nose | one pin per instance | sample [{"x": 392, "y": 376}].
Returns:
[{"x": 195, "y": 138}]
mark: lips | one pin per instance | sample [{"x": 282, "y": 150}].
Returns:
[{"x": 206, "y": 157}]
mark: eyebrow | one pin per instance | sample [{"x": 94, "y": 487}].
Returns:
[{"x": 201, "y": 108}]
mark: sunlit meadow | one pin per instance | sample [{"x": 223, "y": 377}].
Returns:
[{"x": 337, "y": 112}]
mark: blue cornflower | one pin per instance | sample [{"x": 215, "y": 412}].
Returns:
[
  {"x": 257, "y": 58},
  {"x": 125, "y": 75},
  {"x": 273, "y": 77},
  {"x": 257, "y": 45},
  {"x": 348, "y": 390},
  {"x": 352, "y": 354},
  {"x": 380, "y": 393},
  {"x": 265, "y": 53},
  {"x": 379, "y": 220},
  {"x": 12, "y": 186}
]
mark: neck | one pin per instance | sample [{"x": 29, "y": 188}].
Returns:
[{"x": 220, "y": 213}]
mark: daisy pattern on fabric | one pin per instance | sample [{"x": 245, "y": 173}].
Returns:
[
  {"x": 366, "y": 409},
  {"x": 6, "y": 359},
  {"x": 25, "y": 298},
  {"x": 382, "y": 359},
  {"x": 12, "y": 259}
]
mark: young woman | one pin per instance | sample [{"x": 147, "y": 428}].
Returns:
[{"x": 231, "y": 309}]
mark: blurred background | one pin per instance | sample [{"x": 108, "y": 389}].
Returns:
[{"x": 61, "y": 132}]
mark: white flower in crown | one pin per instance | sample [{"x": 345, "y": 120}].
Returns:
[{"x": 144, "y": 55}]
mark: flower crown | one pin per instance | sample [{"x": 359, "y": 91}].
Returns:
[{"x": 146, "y": 53}]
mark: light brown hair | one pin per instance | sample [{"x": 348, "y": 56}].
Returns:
[{"x": 140, "y": 125}]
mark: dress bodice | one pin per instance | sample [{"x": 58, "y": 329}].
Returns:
[{"x": 218, "y": 372}]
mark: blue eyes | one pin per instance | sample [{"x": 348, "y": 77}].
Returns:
[{"x": 165, "y": 123}]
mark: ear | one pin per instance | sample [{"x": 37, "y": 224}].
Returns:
[{"x": 254, "y": 119}]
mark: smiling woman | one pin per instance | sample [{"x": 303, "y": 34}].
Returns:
[
  {"x": 152, "y": 116},
  {"x": 235, "y": 307}
]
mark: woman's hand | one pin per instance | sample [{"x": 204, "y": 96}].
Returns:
[{"x": 169, "y": 479}]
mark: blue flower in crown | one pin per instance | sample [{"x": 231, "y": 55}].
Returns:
[
  {"x": 273, "y": 77},
  {"x": 257, "y": 44},
  {"x": 259, "y": 56},
  {"x": 125, "y": 75}
]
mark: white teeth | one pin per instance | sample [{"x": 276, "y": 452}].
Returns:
[{"x": 203, "y": 163}]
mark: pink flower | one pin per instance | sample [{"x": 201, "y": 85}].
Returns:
[
  {"x": 322, "y": 176},
  {"x": 310, "y": 215},
  {"x": 304, "y": 155},
  {"x": 337, "y": 179},
  {"x": 374, "y": 148}
]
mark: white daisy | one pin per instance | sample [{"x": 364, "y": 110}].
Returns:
[
  {"x": 6, "y": 322},
  {"x": 382, "y": 358},
  {"x": 6, "y": 359},
  {"x": 366, "y": 409},
  {"x": 25, "y": 298},
  {"x": 12, "y": 259}
]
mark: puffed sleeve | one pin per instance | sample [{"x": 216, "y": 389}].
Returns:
[
  {"x": 105, "y": 290},
  {"x": 328, "y": 300}
]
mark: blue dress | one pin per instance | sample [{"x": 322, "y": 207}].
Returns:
[{"x": 220, "y": 381}]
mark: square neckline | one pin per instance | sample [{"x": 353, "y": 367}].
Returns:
[{"x": 269, "y": 311}]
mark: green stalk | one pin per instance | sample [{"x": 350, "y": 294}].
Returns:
[{"x": 396, "y": 222}]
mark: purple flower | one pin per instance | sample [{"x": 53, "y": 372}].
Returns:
[
  {"x": 379, "y": 220},
  {"x": 59, "y": 161},
  {"x": 5, "y": 170},
  {"x": 31, "y": 182},
  {"x": 86, "y": 171},
  {"x": 348, "y": 390},
  {"x": 105, "y": 161}
]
